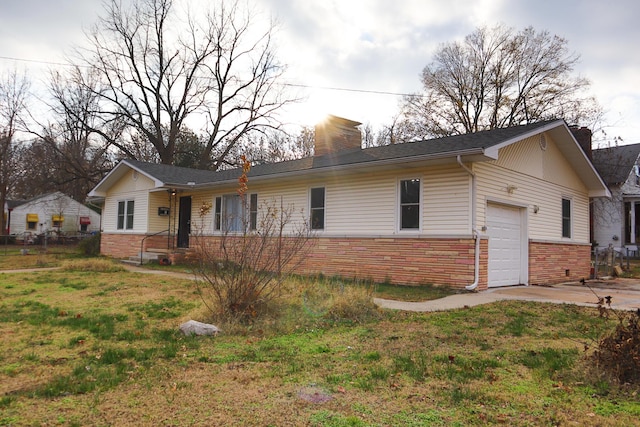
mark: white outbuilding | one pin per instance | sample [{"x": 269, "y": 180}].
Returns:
[{"x": 54, "y": 212}]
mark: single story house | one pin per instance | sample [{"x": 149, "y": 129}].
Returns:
[
  {"x": 494, "y": 208},
  {"x": 616, "y": 220},
  {"x": 50, "y": 212}
]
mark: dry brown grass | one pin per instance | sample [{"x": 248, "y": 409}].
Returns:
[
  {"x": 12, "y": 257},
  {"x": 98, "y": 265}
]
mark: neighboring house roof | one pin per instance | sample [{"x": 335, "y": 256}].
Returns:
[
  {"x": 55, "y": 194},
  {"x": 479, "y": 146},
  {"x": 615, "y": 163},
  {"x": 12, "y": 204}
]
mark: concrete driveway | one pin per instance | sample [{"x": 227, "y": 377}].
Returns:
[{"x": 624, "y": 293}]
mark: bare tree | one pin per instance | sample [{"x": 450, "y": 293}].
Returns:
[
  {"x": 13, "y": 97},
  {"x": 279, "y": 146},
  {"x": 160, "y": 67},
  {"x": 70, "y": 153},
  {"x": 497, "y": 78}
]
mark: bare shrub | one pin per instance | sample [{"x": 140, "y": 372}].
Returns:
[
  {"x": 91, "y": 245},
  {"x": 618, "y": 354},
  {"x": 245, "y": 266}
]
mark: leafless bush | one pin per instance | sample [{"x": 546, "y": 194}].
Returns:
[
  {"x": 618, "y": 353},
  {"x": 240, "y": 271}
]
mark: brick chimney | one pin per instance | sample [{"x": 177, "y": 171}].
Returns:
[
  {"x": 336, "y": 134},
  {"x": 583, "y": 136}
]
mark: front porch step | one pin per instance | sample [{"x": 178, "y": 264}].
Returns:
[
  {"x": 159, "y": 250},
  {"x": 167, "y": 251},
  {"x": 155, "y": 255},
  {"x": 146, "y": 257}
]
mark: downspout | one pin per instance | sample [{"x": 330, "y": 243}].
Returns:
[{"x": 476, "y": 236}]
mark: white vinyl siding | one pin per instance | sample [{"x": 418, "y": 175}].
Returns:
[
  {"x": 548, "y": 178},
  {"x": 364, "y": 204},
  {"x": 447, "y": 201},
  {"x": 493, "y": 181},
  {"x": 110, "y": 214},
  {"x": 132, "y": 187},
  {"x": 48, "y": 207},
  {"x": 158, "y": 223}
]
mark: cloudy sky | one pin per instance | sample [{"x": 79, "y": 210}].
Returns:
[{"x": 353, "y": 57}]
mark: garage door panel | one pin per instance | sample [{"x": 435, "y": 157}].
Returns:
[{"x": 505, "y": 242}]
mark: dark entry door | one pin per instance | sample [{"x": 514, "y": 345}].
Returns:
[{"x": 184, "y": 222}]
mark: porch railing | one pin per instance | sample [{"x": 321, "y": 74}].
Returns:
[{"x": 145, "y": 238}]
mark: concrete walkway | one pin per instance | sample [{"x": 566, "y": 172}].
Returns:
[{"x": 624, "y": 293}]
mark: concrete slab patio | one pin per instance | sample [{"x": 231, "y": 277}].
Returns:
[{"x": 624, "y": 293}]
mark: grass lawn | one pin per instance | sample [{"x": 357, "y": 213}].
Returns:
[
  {"x": 33, "y": 256},
  {"x": 86, "y": 347}
]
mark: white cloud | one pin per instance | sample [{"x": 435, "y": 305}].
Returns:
[{"x": 380, "y": 45}]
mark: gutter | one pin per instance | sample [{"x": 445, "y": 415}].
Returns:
[{"x": 476, "y": 236}]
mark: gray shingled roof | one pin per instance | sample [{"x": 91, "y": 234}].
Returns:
[
  {"x": 615, "y": 163},
  {"x": 12, "y": 204},
  {"x": 441, "y": 147}
]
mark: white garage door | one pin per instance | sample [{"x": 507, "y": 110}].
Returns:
[{"x": 505, "y": 245}]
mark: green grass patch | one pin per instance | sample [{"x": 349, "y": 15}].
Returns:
[{"x": 411, "y": 293}]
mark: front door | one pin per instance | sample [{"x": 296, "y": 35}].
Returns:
[{"x": 184, "y": 222}]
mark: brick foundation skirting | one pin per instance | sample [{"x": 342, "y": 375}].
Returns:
[
  {"x": 126, "y": 245},
  {"x": 551, "y": 263},
  {"x": 399, "y": 260},
  {"x": 412, "y": 261}
]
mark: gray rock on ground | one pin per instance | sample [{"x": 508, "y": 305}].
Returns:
[{"x": 193, "y": 327}]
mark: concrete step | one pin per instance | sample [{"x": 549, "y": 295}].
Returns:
[
  {"x": 158, "y": 250},
  {"x": 147, "y": 257}
]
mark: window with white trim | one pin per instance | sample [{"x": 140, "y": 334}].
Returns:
[
  {"x": 125, "y": 215},
  {"x": 316, "y": 208},
  {"x": 231, "y": 214},
  {"x": 410, "y": 204},
  {"x": 566, "y": 217}
]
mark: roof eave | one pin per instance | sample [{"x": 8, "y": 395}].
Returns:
[
  {"x": 116, "y": 173},
  {"x": 600, "y": 193},
  {"x": 538, "y": 130},
  {"x": 583, "y": 165}
]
